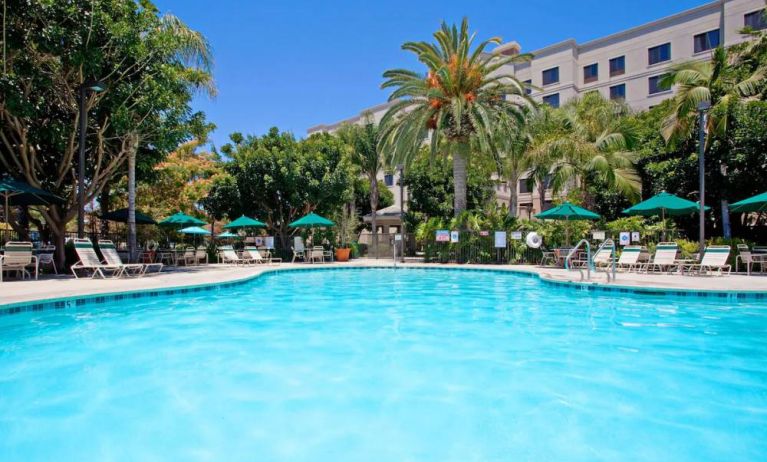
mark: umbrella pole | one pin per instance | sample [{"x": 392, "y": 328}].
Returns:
[
  {"x": 663, "y": 220},
  {"x": 6, "y": 210}
]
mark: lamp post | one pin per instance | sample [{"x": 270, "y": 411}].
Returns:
[
  {"x": 401, "y": 168},
  {"x": 82, "y": 92},
  {"x": 703, "y": 108}
]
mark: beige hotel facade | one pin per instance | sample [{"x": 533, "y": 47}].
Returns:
[{"x": 626, "y": 65}]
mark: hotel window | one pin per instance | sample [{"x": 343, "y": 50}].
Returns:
[
  {"x": 552, "y": 100},
  {"x": 655, "y": 84},
  {"x": 755, "y": 20},
  {"x": 591, "y": 73},
  {"x": 659, "y": 54},
  {"x": 617, "y": 66},
  {"x": 706, "y": 41},
  {"x": 527, "y": 84},
  {"x": 618, "y": 92},
  {"x": 523, "y": 186},
  {"x": 551, "y": 76}
]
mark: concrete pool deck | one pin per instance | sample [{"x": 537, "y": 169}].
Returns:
[{"x": 54, "y": 287}]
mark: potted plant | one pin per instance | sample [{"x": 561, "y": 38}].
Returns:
[{"x": 346, "y": 229}]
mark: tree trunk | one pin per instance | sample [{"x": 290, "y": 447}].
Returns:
[
  {"x": 542, "y": 195},
  {"x": 105, "y": 206},
  {"x": 726, "y": 230},
  {"x": 132, "y": 250},
  {"x": 374, "y": 209},
  {"x": 460, "y": 161},
  {"x": 513, "y": 196}
]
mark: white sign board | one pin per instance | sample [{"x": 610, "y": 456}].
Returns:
[
  {"x": 500, "y": 239},
  {"x": 516, "y": 235},
  {"x": 443, "y": 235},
  {"x": 635, "y": 236},
  {"x": 625, "y": 238},
  {"x": 598, "y": 235},
  {"x": 269, "y": 242},
  {"x": 453, "y": 236},
  {"x": 259, "y": 241},
  {"x": 398, "y": 237}
]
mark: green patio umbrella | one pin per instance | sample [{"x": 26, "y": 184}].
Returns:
[
  {"x": 16, "y": 192},
  {"x": 121, "y": 216},
  {"x": 664, "y": 204},
  {"x": 312, "y": 220},
  {"x": 182, "y": 219},
  {"x": 227, "y": 235},
  {"x": 195, "y": 230},
  {"x": 568, "y": 212},
  {"x": 756, "y": 203},
  {"x": 245, "y": 222}
]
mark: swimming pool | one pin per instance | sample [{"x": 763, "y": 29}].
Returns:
[{"x": 385, "y": 365}]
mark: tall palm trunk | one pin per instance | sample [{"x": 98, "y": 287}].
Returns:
[
  {"x": 374, "y": 209},
  {"x": 132, "y": 203},
  {"x": 460, "y": 160},
  {"x": 513, "y": 196},
  {"x": 542, "y": 194}
]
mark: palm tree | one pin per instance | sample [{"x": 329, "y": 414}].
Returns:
[
  {"x": 593, "y": 142},
  {"x": 719, "y": 83},
  {"x": 511, "y": 144},
  {"x": 460, "y": 99},
  {"x": 367, "y": 154}
]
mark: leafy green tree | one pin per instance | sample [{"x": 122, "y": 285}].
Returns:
[
  {"x": 151, "y": 66},
  {"x": 460, "y": 100},
  {"x": 278, "y": 179}
]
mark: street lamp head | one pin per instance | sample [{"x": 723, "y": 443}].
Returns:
[
  {"x": 704, "y": 105},
  {"x": 400, "y": 167}
]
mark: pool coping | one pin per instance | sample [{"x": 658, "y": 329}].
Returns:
[{"x": 46, "y": 304}]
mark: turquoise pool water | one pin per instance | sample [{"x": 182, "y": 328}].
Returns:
[{"x": 387, "y": 365}]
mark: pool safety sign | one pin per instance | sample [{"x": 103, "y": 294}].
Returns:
[
  {"x": 598, "y": 235},
  {"x": 269, "y": 242},
  {"x": 635, "y": 236},
  {"x": 625, "y": 238},
  {"x": 443, "y": 235},
  {"x": 453, "y": 236},
  {"x": 516, "y": 235},
  {"x": 500, "y": 239}
]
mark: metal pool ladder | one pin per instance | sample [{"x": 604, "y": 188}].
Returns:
[{"x": 589, "y": 262}]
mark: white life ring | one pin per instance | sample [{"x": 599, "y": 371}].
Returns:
[{"x": 533, "y": 240}]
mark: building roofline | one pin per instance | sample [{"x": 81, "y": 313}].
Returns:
[
  {"x": 594, "y": 43},
  {"x": 350, "y": 120}
]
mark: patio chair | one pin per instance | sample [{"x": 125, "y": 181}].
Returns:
[
  {"x": 201, "y": 256},
  {"x": 189, "y": 257},
  {"x": 299, "y": 251},
  {"x": 714, "y": 261},
  {"x": 228, "y": 255},
  {"x": 748, "y": 259},
  {"x": 47, "y": 257},
  {"x": 111, "y": 257},
  {"x": 548, "y": 257},
  {"x": 89, "y": 261},
  {"x": 664, "y": 258},
  {"x": 629, "y": 259},
  {"x": 254, "y": 254},
  {"x": 318, "y": 254},
  {"x": 18, "y": 257}
]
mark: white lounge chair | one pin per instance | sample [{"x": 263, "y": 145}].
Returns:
[
  {"x": 90, "y": 261},
  {"x": 664, "y": 258},
  {"x": 299, "y": 251},
  {"x": 18, "y": 257},
  {"x": 228, "y": 255},
  {"x": 201, "y": 256},
  {"x": 47, "y": 257},
  {"x": 254, "y": 254},
  {"x": 629, "y": 259},
  {"x": 111, "y": 257},
  {"x": 714, "y": 261}
]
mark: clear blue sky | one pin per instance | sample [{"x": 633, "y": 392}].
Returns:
[{"x": 295, "y": 64}]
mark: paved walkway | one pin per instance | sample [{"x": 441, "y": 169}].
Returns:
[{"x": 49, "y": 287}]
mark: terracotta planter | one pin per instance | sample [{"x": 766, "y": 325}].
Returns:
[{"x": 343, "y": 254}]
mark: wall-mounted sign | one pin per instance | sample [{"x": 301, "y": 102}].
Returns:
[
  {"x": 625, "y": 238},
  {"x": 500, "y": 239},
  {"x": 635, "y": 236},
  {"x": 453, "y": 236},
  {"x": 516, "y": 235},
  {"x": 443, "y": 235}
]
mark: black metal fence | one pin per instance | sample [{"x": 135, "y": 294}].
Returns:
[{"x": 480, "y": 248}]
